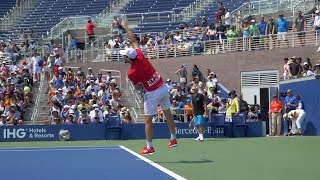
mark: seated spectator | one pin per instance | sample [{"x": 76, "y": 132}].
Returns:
[
  {"x": 255, "y": 113},
  {"x": 317, "y": 71},
  {"x": 3, "y": 120},
  {"x": 125, "y": 116},
  {"x": 84, "y": 117},
  {"x": 70, "y": 120},
  {"x": 96, "y": 115}
]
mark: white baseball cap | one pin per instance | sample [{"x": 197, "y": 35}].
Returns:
[
  {"x": 130, "y": 52},
  {"x": 317, "y": 11}
]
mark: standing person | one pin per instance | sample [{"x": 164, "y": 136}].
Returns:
[
  {"x": 316, "y": 23},
  {"x": 271, "y": 30},
  {"x": 233, "y": 106},
  {"x": 90, "y": 30},
  {"x": 36, "y": 66},
  {"x": 254, "y": 33},
  {"x": 183, "y": 73},
  {"x": 300, "y": 25},
  {"x": 275, "y": 115},
  {"x": 263, "y": 32},
  {"x": 199, "y": 111},
  {"x": 143, "y": 74},
  {"x": 282, "y": 30},
  {"x": 291, "y": 103}
]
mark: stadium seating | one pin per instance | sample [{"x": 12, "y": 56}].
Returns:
[
  {"x": 165, "y": 22},
  {"x": 47, "y": 13},
  {"x": 6, "y": 5}
]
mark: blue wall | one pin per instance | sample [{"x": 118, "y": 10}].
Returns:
[
  {"x": 309, "y": 90},
  {"x": 100, "y": 132}
]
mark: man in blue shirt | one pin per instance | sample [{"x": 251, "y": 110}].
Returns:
[
  {"x": 291, "y": 103},
  {"x": 282, "y": 25},
  {"x": 262, "y": 27}
]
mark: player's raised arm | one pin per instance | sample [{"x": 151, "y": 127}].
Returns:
[{"x": 131, "y": 36}]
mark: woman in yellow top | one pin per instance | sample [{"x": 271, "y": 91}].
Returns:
[{"x": 232, "y": 105}]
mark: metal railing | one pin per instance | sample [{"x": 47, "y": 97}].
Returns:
[
  {"x": 192, "y": 10},
  {"x": 272, "y": 6},
  {"x": 15, "y": 14},
  {"x": 37, "y": 107},
  {"x": 134, "y": 95},
  {"x": 193, "y": 48}
]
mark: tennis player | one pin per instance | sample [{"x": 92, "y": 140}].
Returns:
[
  {"x": 199, "y": 111},
  {"x": 143, "y": 74}
]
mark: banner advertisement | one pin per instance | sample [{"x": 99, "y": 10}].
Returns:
[{"x": 127, "y": 131}]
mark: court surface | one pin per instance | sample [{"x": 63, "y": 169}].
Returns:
[
  {"x": 279, "y": 158},
  {"x": 80, "y": 163}
]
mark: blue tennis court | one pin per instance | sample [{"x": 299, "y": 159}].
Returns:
[{"x": 79, "y": 163}]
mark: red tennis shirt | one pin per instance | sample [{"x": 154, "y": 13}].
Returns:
[{"x": 142, "y": 71}]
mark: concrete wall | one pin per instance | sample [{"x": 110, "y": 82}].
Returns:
[{"x": 226, "y": 66}]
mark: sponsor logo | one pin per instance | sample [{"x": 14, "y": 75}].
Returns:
[
  {"x": 195, "y": 131},
  {"x": 32, "y": 133}
]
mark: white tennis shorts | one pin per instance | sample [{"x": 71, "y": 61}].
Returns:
[
  {"x": 281, "y": 35},
  {"x": 154, "y": 98}
]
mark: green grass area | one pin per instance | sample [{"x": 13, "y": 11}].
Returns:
[{"x": 283, "y": 158}]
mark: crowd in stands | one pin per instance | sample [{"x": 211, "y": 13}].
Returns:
[
  {"x": 206, "y": 84},
  {"x": 15, "y": 91},
  {"x": 220, "y": 35},
  {"x": 294, "y": 68},
  {"x": 77, "y": 97}
]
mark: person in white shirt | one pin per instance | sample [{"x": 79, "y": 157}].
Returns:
[
  {"x": 66, "y": 87},
  {"x": 3, "y": 120},
  {"x": 103, "y": 90},
  {"x": 35, "y": 66},
  {"x": 92, "y": 86},
  {"x": 227, "y": 19},
  {"x": 316, "y": 24},
  {"x": 96, "y": 115},
  {"x": 58, "y": 61},
  {"x": 174, "y": 92}
]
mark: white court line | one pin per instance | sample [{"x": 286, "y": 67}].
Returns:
[
  {"x": 161, "y": 168},
  {"x": 56, "y": 149},
  {"x": 61, "y": 147}
]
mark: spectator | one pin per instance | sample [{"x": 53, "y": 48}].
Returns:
[
  {"x": 255, "y": 113},
  {"x": 245, "y": 34},
  {"x": 317, "y": 71},
  {"x": 316, "y": 24},
  {"x": 227, "y": 18},
  {"x": 275, "y": 115},
  {"x": 254, "y": 33},
  {"x": 115, "y": 25},
  {"x": 263, "y": 27},
  {"x": 204, "y": 22},
  {"x": 96, "y": 115},
  {"x": 183, "y": 73},
  {"x": 73, "y": 45},
  {"x": 115, "y": 101},
  {"x": 221, "y": 34},
  {"x": 294, "y": 68},
  {"x": 244, "y": 107},
  {"x": 306, "y": 71},
  {"x": 219, "y": 15},
  {"x": 286, "y": 71},
  {"x": 282, "y": 30},
  {"x": 300, "y": 26},
  {"x": 232, "y": 106},
  {"x": 90, "y": 31},
  {"x": 125, "y": 116},
  {"x": 232, "y": 34}
]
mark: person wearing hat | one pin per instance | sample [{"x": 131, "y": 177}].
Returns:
[
  {"x": 96, "y": 115},
  {"x": 316, "y": 23},
  {"x": 317, "y": 71},
  {"x": 182, "y": 73},
  {"x": 142, "y": 73},
  {"x": 36, "y": 66},
  {"x": 92, "y": 87},
  {"x": 3, "y": 120},
  {"x": 233, "y": 106},
  {"x": 283, "y": 26},
  {"x": 254, "y": 33},
  {"x": 125, "y": 116},
  {"x": 84, "y": 117},
  {"x": 71, "y": 120}
]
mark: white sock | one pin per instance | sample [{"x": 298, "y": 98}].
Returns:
[
  {"x": 149, "y": 145},
  {"x": 201, "y": 135},
  {"x": 172, "y": 137}
]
